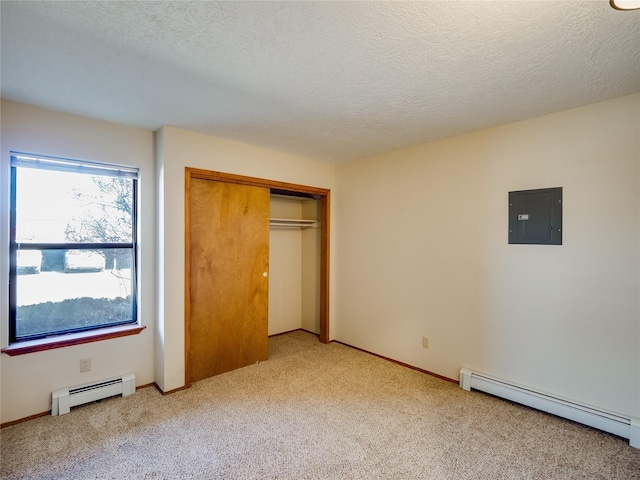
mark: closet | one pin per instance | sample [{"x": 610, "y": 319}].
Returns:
[
  {"x": 294, "y": 264},
  {"x": 256, "y": 264}
]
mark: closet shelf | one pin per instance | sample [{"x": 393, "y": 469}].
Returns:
[{"x": 292, "y": 223}]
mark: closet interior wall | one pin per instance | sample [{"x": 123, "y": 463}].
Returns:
[{"x": 294, "y": 266}]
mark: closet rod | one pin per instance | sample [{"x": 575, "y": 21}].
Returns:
[{"x": 292, "y": 223}]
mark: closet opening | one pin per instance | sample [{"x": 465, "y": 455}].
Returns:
[{"x": 294, "y": 263}]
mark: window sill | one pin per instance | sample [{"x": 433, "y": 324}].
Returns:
[{"x": 31, "y": 346}]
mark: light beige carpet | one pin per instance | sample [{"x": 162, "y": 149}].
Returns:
[{"x": 313, "y": 411}]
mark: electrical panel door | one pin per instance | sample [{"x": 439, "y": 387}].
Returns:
[{"x": 535, "y": 216}]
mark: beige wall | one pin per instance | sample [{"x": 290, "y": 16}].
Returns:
[
  {"x": 28, "y": 380},
  {"x": 423, "y": 251},
  {"x": 180, "y": 149}
]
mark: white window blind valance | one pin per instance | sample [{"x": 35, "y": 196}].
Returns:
[{"x": 76, "y": 166}]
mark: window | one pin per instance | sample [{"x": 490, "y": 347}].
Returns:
[{"x": 72, "y": 247}]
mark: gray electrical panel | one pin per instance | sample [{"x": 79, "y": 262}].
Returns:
[{"x": 535, "y": 216}]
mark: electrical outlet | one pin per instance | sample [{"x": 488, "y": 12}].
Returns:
[
  {"x": 425, "y": 342},
  {"x": 85, "y": 364}
]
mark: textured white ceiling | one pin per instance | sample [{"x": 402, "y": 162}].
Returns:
[{"x": 332, "y": 81}]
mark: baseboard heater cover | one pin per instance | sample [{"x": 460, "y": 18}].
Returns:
[
  {"x": 62, "y": 400},
  {"x": 626, "y": 427}
]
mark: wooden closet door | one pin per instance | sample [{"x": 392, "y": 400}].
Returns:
[{"x": 229, "y": 261}]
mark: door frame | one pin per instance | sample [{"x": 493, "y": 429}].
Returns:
[{"x": 323, "y": 195}]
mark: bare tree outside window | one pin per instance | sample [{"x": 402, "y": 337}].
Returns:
[
  {"x": 108, "y": 213},
  {"x": 106, "y": 217}
]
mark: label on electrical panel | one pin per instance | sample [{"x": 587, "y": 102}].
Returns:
[{"x": 523, "y": 216}]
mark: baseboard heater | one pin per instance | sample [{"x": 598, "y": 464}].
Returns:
[
  {"x": 62, "y": 400},
  {"x": 626, "y": 427}
]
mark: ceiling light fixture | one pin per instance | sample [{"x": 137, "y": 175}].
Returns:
[{"x": 625, "y": 4}]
